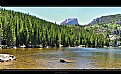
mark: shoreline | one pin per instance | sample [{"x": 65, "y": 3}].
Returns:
[
  {"x": 40, "y": 47},
  {"x": 53, "y": 47}
]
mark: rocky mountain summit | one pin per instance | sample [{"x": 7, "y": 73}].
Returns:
[
  {"x": 109, "y": 19},
  {"x": 70, "y": 21}
]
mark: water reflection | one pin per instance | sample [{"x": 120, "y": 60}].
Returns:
[
  {"x": 111, "y": 55},
  {"x": 85, "y": 58}
]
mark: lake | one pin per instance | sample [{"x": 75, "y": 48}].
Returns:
[{"x": 49, "y": 58}]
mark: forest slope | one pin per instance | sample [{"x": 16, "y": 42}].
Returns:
[{"x": 18, "y": 29}]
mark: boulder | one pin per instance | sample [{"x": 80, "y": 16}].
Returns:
[
  {"x": 66, "y": 61},
  {"x": 6, "y": 57}
]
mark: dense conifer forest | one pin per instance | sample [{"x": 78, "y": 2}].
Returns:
[{"x": 17, "y": 29}]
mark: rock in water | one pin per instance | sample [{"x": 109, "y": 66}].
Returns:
[
  {"x": 65, "y": 61},
  {"x": 6, "y": 57},
  {"x": 62, "y": 60}
]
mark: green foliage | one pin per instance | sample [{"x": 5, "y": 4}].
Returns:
[{"x": 24, "y": 29}]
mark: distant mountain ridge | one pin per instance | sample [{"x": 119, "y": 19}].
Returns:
[
  {"x": 70, "y": 21},
  {"x": 112, "y": 19}
]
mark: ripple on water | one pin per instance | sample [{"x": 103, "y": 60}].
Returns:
[{"x": 86, "y": 58}]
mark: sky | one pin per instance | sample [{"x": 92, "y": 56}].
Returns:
[{"x": 58, "y": 14}]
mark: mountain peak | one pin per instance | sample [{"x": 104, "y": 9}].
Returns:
[
  {"x": 107, "y": 19},
  {"x": 71, "y": 21}
]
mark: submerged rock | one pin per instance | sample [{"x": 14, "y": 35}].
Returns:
[{"x": 6, "y": 57}]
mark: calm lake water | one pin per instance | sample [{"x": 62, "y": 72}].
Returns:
[{"x": 48, "y": 58}]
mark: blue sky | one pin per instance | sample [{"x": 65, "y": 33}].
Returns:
[{"x": 58, "y": 14}]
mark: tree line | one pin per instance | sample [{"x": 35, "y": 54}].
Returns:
[{"x": 19, "y": 29}]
